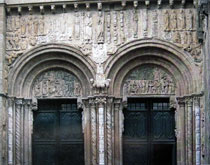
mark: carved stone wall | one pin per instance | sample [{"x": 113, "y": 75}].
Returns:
[
  {"x": 56, "y": 83},
  {"x": 148, "y": 80},
  {"x": 98, "y": 34}
]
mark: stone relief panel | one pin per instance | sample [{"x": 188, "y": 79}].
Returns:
[
  {"x": 56, "y": 83},
  {"x": 107, "y": 27},
  {"x": 148, "y": 80}
]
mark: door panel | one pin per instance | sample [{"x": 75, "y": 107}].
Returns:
[
  {"x": 57, "y": 134},
  {"x": 71, "y": 154},
  {"x": 45, "y": 154},
  {"x": 149, "y": 136},
  {"x": 135, "y": 154},
  {"x": 45, "y": 126},
  {"x": 162, "y": 154}
]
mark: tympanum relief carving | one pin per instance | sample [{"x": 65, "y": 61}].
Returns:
[
  {"x": 56, "y": 83},
  {"x": 86, "y": 28},
  {"x": 148, "y": 80}
]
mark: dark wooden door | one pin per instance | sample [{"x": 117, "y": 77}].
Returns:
[
  {"x": 57, "y": 133},
  {"x": 149, "y": 133}
]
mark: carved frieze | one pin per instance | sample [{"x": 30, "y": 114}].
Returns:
[
  {"x": 56, "y": 83},
  {"x": 112, "y": 28},
  {"x": 148, "y": 80}
]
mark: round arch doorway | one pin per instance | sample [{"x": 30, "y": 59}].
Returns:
[
  {"x": 57, "y": 134},
  {"x": 149, "y": 136}
]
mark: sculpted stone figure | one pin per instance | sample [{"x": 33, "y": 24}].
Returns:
[
  {"x": 189, "y": 20},
  {"x": 36, "y": 26},
  {"x": 122, "y": 33},
  {"x": 88, "y": 27},
  {"x": 115, "y": 24},
  {"x": 108, "y": 22},
  {"x": 155, "y": 24},
  {"x": 100, "y": 37},
  {"x": 177, "y": 37},
  {"x": 181, "y": 20},
  {"x": 30, "y": 25},
  {"x": 76, "y": 25},
  {"x": 41, "y": 26},
  {"x": 166, "y": 20},
  {"x": 145, "y": 24},
  {"x": 135, "y": 19},
  {"x": 173, "y": 20},
  {"x": 23, "y": 27}
]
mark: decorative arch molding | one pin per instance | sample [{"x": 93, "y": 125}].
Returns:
[
  {"x": 175, "y": 61},
  {"x": 45, "y": 57}
]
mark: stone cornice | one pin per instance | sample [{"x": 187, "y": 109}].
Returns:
[{"x": 54, "y": 4}]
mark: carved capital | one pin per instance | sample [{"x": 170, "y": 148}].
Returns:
[
  {"x": 189, "y": 101},
  {"x": 196, "y": 100},
  {"x": 34, "y": 106},
  {"x": 181, "y": 101},
  {"x": 19, "y": 102},
  {"x": 101, "y": 100},
  {"x": 100, "y": 85},
  {"x": 118, "y": 103},
  {"x": 173, "y": 103}
]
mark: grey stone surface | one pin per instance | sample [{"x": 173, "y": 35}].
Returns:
[
  {"x": 100, "y": 45},
  {"x": 206, "y": 51}
]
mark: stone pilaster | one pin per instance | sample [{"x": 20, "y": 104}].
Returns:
[
  {"x": 118, "y": 130},
  {"x": 189, "y": 103},
  {"x": 197, "y": 130},
  {"x": 10, "y": 135},
  {"x": 93, "y": 132},
  {"x": 3, "y": 157},
  {"x": 189, "y": 130},
  {"x": 181, "y": 150},
  {"x": 206, "y": 50},
  {"x": 86, "y": 126}
]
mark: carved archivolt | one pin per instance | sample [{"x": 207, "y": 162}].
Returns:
[
  {"x": 56, "y": 83},
  {"x": 148, "y": 80}
]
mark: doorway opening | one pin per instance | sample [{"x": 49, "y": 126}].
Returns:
[
  {"x": 149, "y": 132},
  {"x": 57, "y": 133}
]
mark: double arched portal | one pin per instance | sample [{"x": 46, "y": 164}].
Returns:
[{"x": 53, "y": 79}]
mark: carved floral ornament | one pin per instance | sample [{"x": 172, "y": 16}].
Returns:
[
  {"x": 148, "y": 80},
  {"x": 56, "y": 83}
]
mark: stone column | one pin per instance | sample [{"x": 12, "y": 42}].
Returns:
[
  {"x": 181, "y": 152},
  {"x": 118, "y": 130},
  {"x": 109, "y": 131},
  {"x": 101, "y": 104},
  {"x": 27, "y": 131},
  {"x": 186, "y": 132},
  {"x": 197, "y": 131},
  {"x": 3, "y": 84},
  {"x": 206, "y": 56},
  {"x": 86, "y": 121},
  {"x": 10, "y": 144},
  {"x": 18, "y": 132},
  {"x": 20, "y": 124},
  {"x": 189, "y": 103},
  {"x": 93, "y": 132}
]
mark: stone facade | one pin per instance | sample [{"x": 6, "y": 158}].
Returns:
[{"x": 102, "y": 53}]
